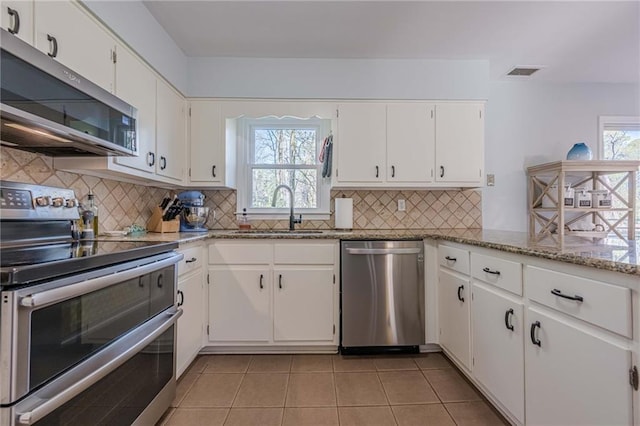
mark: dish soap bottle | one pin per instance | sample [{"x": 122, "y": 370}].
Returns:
[
  {"x": 90, "y": 205},
  {"x": 243, "y": 222}
]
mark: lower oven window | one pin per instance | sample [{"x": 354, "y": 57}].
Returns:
[
  {"x": 65, "y": 333},
  {"x": 120, "y": 397}
]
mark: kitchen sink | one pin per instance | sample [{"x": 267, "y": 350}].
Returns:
[{"x": 278, "y": 231}]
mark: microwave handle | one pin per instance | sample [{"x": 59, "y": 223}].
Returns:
[
  {"x": 127, "y": 349},
  {"x": 47, "y": 297}
]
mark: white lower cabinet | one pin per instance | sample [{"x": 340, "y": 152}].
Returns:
[
  {"x": 573, "y": 376},
  {"x": 239, "y": 304},
  {"x": 301, "y": 298},
  {"x": 453, "y": 309},
  {"x": 189, "y": 299},
  {"x": 497, "y": 335},
  {"x": 550, "y": 343},
  {"x": 269, "y": 293}
]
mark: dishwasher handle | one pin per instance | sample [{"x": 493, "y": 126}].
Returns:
[{"x": 384, "y": 250}]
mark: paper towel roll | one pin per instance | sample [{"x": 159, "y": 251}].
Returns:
[{"x": 344, "y": 213}]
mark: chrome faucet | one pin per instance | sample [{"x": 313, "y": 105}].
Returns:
[{"x": 292, "y": 219}]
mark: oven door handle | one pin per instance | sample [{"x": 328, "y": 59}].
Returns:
[
  {"x": 55, "y": 295},
  {"x": 126, "y": 349}
]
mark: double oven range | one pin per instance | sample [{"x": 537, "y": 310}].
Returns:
[{"x": 87, "y": 328}]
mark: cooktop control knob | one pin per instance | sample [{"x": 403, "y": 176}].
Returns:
[
  {"x": 71, "y": 202},
  {"x": 57, "y": 202},
  {"x": 43, "y": 201}
]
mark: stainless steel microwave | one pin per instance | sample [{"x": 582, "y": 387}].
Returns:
[{"x": 48, "y": 108}]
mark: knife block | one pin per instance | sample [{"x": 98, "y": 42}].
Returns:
[{"x": 156, "y": 224}]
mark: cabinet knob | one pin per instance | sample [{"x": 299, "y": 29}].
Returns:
[
  {"x": 53, "y": 44},
  {"x": 377, "y": 171},
  {"x": 534, "y": 339},
  {"x": 507, "y": 319},
  {"x": 180, "y": 298},
  {"x": 441, "y": 171},
  {"x": 558, "y": 293},
  {"x": 15, "y": 28},
  {"x": 460, "y": 298},
  {"x": 213, "y": 170},
  {"x": 163, "y": 162},
  {"x": 393, "y": 171},
  {"x": 261, "y": 278},
  {"x": 489, "y": 271},
  {"x": 280, "y": 281},
  {"x": 151, "y": 159}
]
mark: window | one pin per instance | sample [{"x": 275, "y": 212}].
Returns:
[
  {"x": 619, "y": 139},
  {"x": 282, "y": 152}
]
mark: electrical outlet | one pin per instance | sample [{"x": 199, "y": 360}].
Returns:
[
  {"x": 401, "y": 206},
  {"x": 491, "y": 180}
]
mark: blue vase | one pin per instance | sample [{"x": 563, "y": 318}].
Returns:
[{"x": 580, "y": 151}]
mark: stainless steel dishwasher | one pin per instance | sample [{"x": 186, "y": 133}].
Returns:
[{"x": 382, "y": 295}]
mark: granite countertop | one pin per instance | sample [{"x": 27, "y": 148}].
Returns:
[{"x": 610, "y": 255}]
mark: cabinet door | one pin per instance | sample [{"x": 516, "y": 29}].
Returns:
[
  {"x": 136, "y": 84},
  {"x": 170, "y": 133},
  {"x": 498, "y": 355},
  {"x": 206, "y": 143},
  {"x": 459, "y": 142},
  {"x": 81, "y": 44},
  {"x": 239, "y": 304},
  {"x": 574, "y": 377},
  {"x": 17, "y": 18},
  {"x": 453, "y": 309},
  {"x": 361, "y": 142},
  {"x": 410, "y": 142},
  {"x": 190, "y": 323},
  {"x": 303, "y": 304}
]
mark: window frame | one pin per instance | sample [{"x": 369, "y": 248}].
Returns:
[
  {"x": 606, "y": 121},
  {"x": 246, "y": 150}
]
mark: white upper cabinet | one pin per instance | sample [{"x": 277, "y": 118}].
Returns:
[
  {"x": 361, "y": 142},
  {"x": 207, "y": 156},
  {"x": 17, "y": 18},
  {"x": 410, "y": 142},
  {"x": 459, "y": 142},
  {"x": 136, "y": 85},
  {"x": 67, "y": 34},
  {"x": 170, "y": 133}
]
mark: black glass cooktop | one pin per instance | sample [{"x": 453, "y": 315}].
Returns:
[{"x": 21, "y": 265}]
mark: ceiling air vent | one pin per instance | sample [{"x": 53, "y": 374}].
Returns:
[{"x": 523, "y": 71}]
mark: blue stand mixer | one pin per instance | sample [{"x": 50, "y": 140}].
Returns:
[{"x": 194, "y": 213}]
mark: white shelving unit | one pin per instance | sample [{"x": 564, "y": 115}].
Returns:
[{"x": 550, "y": 224}]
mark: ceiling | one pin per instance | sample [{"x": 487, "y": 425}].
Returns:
[{"x": 574, "y": 41}]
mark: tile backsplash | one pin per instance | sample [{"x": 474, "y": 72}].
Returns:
[{"x": 122, "y": 204}]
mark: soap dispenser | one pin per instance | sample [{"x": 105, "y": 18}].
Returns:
[{"x": 243, "y": 221}]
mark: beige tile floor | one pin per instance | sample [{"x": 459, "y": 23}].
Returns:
[{"x": 318, "y": 390}]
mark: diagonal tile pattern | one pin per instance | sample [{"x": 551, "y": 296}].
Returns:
[
  {"x": 424, "y": 389},
  {"x": 123, "y": 204}
]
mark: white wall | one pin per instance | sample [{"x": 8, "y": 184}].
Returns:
[
  {"x": 140, "y": 30},
  {"x": 337, "y": 78},
  {"x": 530, "y": 123}
]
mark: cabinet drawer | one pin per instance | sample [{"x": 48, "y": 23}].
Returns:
[
  {"x": 304, "y": 254},
  {"x": 454, "y": 258},
  {"x": 240, "y": 253},
  {"x": 192, "y": 260},
  {"x": 605, "y": 305},
  {"x": 502, "y": 273}
]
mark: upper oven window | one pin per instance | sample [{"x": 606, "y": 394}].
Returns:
[{"x": 67, "y": 332}]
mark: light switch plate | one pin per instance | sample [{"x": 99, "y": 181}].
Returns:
[
  {"x": 401, "y": 206},
  {"x": 491, "y": 180}
]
